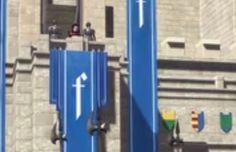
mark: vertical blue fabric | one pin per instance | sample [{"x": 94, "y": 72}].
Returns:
[
  {"x": 2, "y": 72},
  {"x": 78, "y": 87},
  {"x": 102, "y": 71},
  {"x": 143, "y": 119},
  {"x": 53, "y": 76},
  {"x": 201, "y": 121}
]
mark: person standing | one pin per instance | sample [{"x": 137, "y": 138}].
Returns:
[
  {"x": 54, "y": 30},
  {"x": 89, "y": 33},
  {"x": 75, "y": 31}
]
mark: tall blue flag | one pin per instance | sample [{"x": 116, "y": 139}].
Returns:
[
  {"x": 142, "y": 76},
  {"x": 2, "y": 72}
]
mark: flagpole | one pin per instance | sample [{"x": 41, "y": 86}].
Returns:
[{"x": 2, "y": 72}]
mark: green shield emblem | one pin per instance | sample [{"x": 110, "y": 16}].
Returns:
[
  {"x": 169, "y": 119},
  {"x": 226, "y": 121}
]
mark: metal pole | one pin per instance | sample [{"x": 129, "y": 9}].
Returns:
[
  {"x": 2, "y": 72},
  {"x": 77, "y": 12},
  {"x": 143, "y": 115}
]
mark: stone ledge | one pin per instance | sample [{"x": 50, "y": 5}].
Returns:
[
  {"x": 191, "y": 93},
  {"x": 200, "y": 60},
  {"x": 174, "y": 42},
  {"x": 161, "y": 59},
  {"x": 176, "y": 78},
  {"x": 182, "y": 97},
  {"x": 38, "y": 59},
  {"x": 198, "y": 90},
  {"x": 24, "y": 65},
  {"x": 210, "y": 44}
]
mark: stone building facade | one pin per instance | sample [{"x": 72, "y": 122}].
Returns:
[{"x": 196, "y": 60}]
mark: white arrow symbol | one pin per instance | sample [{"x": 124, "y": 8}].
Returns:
[
  {"x": 78, "y": 86},
  {"x": 141, "y": 12}
]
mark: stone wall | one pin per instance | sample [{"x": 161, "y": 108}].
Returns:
[
  {"x": 119, "y": 40},
  {"x": 29, "y": 25},
  {"x": 13, "y": 29},
  {"x": 94, "y": 12},
  {"x": 178, "y": 19},
  {"x": 186, "y": 86},
  {"x": 200, "y": 85},
  {"x": 191, "y": 77},
  {"x": 30, "y": 117},
  {"x": 217, "y": 21}
]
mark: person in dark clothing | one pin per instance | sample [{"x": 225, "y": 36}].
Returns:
[
  {"x": 89, "y": 33},
  {"x": 54, "y": 30},
  {"x": 75, "y": 30}
]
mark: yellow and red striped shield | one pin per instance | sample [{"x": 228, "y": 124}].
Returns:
[{"x": 197, "y": 121}]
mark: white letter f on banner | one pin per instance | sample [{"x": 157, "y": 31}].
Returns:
[{"x": 79, "y": 85}]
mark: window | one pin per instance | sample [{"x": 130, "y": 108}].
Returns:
[
  {"x": 109, "y": 25},
  {"x": 44, "y": 15},
  {"x": 43, "y": 11}
]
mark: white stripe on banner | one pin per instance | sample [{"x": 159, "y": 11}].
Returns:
[{"x": 92, "y": 93}]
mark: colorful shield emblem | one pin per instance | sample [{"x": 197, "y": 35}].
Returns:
[
  {"x": 169, "y": 119},
  {"x": 226, "y": 121},
  {"x": 197, "y": 121}
]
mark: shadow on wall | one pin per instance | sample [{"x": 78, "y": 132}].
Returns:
[
  {"x": 165, "y": 136},
  {"x": 147, "y": 135},
  {"x": 108, "y": 113},
  {"x": 124, "y": 106}
]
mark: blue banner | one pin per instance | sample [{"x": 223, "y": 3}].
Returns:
[
  {"x": 142, "y": 76},
  {"x": 54, "y": 75},
  {"x": 78, "y": 87},
  {"x": 2, "y": 72}
]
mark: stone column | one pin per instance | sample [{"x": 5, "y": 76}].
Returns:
[
  {"x": 12, "y": 29},
  {"x": 29, "y": 29},
  {"x": 23, "y": 111},
  {"x": 10, "y": 120},
  {"x": 42, "y": 112},
  {"x": 115, "y": 112}
]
